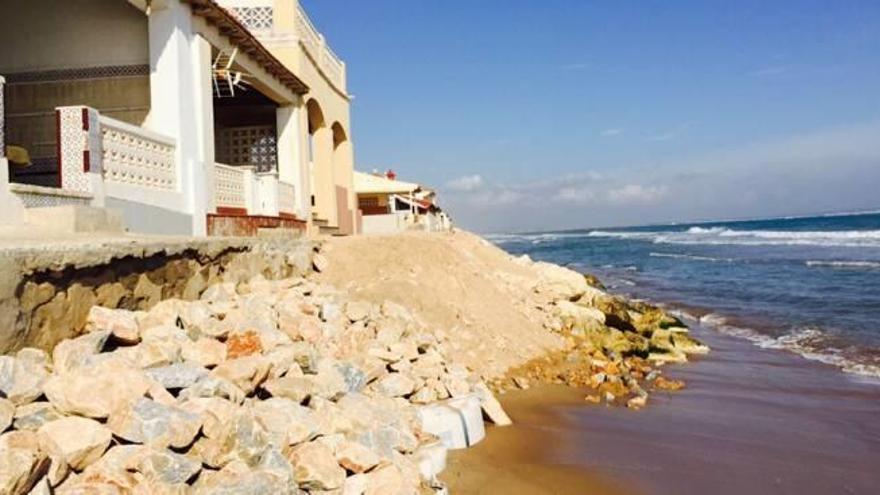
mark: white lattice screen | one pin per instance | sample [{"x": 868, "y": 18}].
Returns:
[
  {"x": 254, "y": 145},
  {"x": 254, "y": 18}
]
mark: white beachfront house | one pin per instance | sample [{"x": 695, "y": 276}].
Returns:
[
  {"x": 388, "y": 205},
  {"x": 191, "y": 117}
]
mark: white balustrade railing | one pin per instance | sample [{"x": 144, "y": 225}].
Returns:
[
  {"x": 310, "y": 36},
  {"x": 133, "y": 155},
  {"x": 231, "y": 186},
  {"x": 328, "y": 62},
  {"x": 286, "y": 197}
]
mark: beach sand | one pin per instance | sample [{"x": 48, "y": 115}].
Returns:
[
  {"x": 755, "y": 421},
  {"x": 519, "y": 460}
]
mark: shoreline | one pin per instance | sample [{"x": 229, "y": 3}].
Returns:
[{"x": 751, "y": 420}]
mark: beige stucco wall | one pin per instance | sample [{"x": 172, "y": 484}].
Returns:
[
  {"x": 51, "y": 34},
  {"x": 333, "y": 166}
]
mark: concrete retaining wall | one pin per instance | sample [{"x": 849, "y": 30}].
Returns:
[{"x": 46, "y": 292}]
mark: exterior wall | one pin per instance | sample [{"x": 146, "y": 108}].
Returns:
[
  {"x": 147, "y": 219},
  {"x": 11, "y": 206},
  {"x": 38, "y": 35},
  {"x": 305, "y": 52},
  {"x": 390, "y": 223},
  {"x": 380, "y": 200},
  {"x": 76, "y": 52}
]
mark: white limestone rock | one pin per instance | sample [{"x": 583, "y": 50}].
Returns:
[
  {"x": 34, "y": 415},
  {"x": 120, "y": 323},
  {"x": 315, "y": 467},
  {"x": 395, "y": 385},
  {"x": 94, "y": 391},
  {"x": 21, "y": 380},
  {"x": 22, "y": 462},
  {"x": 285, "y": 421},
  {"x": 355, "y": 457},
  {"x": 80, "y": 441},
  {"x": 178, "y": 375},
  {"x": 205, "y": 352},
  {"x": 148, "y": 422},
  {"x": 70, "y": 354}
]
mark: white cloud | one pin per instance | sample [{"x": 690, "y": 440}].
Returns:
[
  {"x": 774, "y": 70},
  {"x": 825, "y": 170},
  {"x": 575, "y": 195},
  {"x": 611, "y": 132},
  {"x": 637, "y": 194},
  {"x": 465, "y": 183}
]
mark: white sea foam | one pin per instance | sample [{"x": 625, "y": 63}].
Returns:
[
  {"x": 689, "y": 257},
  {"x": 871, "y": 265},
  {"x": 808, "y": 342},
  {"x": 726, "y": 236}
]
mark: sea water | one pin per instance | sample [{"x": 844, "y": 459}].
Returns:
[{"x": 806, "y": 284}]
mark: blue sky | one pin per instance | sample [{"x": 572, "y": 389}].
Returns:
[{"x": 549, "y": 114}]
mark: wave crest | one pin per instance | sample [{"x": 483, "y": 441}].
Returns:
[{"x": 809, "y": 342}]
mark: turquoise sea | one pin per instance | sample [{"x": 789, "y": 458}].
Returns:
[{"x": 807, "y": 284}]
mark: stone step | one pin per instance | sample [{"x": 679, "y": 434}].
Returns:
[
  {"x": 75, "y": 219},
  {"x": 326, "y": 229}
]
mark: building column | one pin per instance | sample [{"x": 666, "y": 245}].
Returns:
[
  {"x": 325, "y": 185},
  {"x": 343, "y": 166},
  {"x": 293, "y": 165},
  {"x": 181, "y": 101}
]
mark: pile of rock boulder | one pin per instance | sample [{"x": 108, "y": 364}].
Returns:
[
  {"x": 258, "y": 387},
  {"x": 615, "y": 346}
]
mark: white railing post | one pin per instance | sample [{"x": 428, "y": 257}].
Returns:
[
  {"x": 268, "y": 194},
  {"x": 80, "y": 151},
  {"x": 250, "y": 190}
]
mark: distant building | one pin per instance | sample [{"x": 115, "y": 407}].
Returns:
[
  {"x": 192, "y": 117},
  {"x": 388, "y": 205}
]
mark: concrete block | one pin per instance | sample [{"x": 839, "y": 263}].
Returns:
[{"x": 457, "y": 422}]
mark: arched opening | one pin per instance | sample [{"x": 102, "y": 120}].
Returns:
[
  {"x": 320, "y": 152},
  {"x": 316, "y": 122},
  {"x": 339, "y": 135},
  {"x": 343, "y": 170}
]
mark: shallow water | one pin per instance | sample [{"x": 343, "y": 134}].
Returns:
[
  {"x": 810, "y": 285},
  {"x": 751, "y": 420}
]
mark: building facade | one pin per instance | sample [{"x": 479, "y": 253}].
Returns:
[{"x": 186, "y": 117}]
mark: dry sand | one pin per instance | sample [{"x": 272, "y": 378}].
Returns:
[{"x": 459, "y": 284}]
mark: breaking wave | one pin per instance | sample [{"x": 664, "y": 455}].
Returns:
[
  {"x": 870, "y": 265},
  {"x": 809, "y": 342},
  {"x": 690, "y": 257},
  {"x": 726, "y": 236}
]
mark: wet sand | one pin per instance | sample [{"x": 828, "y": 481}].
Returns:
[
  {"x": 751, "y": 420},
  {"x": 515, "y": 460}
]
